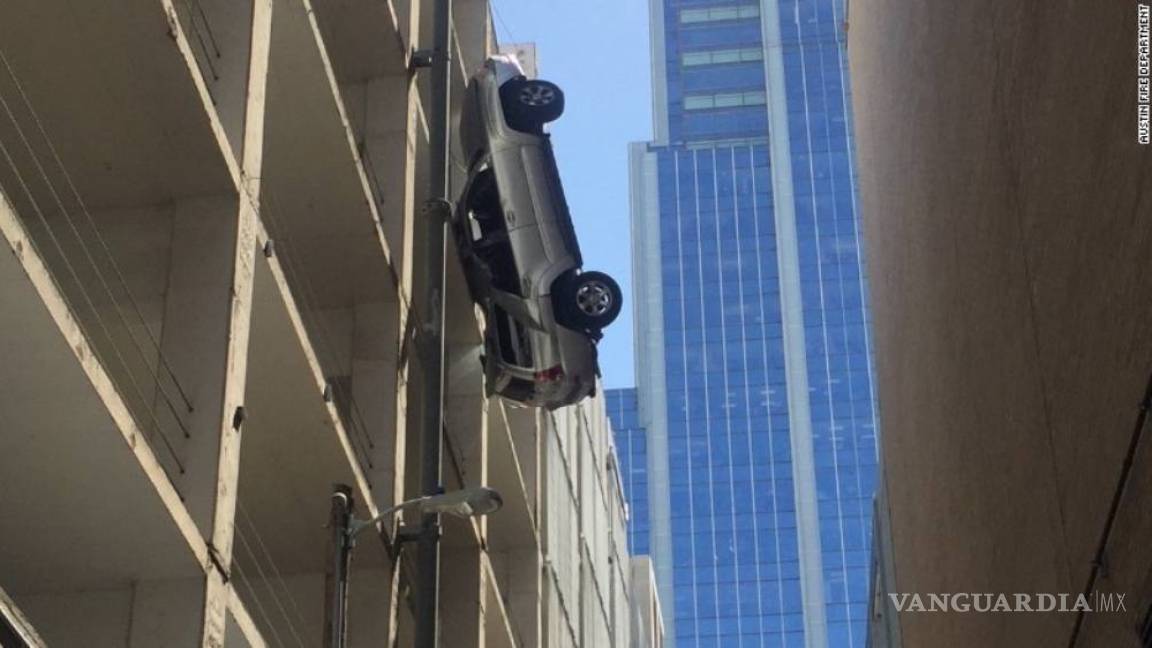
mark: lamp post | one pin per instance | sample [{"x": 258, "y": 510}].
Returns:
[
  {"x": 468, "y": 502},
  {"x": 437, "y": 212}
]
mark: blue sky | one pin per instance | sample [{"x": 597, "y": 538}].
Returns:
[{"x": 597, "y": 52}]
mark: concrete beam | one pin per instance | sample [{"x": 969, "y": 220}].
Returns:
[
  {"x": 180, "y": 37},
  {"x": 241, "y": 627},
  {"x": 244, "y": 109},
  {"x": 498, "y": 632},
  {"x": 220, "y": 37},
  {"x": 19, "y": 623},
  {"x": 47, "y": 293}
]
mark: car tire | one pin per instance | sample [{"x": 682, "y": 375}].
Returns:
[
  {"x": 590, "y": 301},
  {"x": 531, "y": 103}
]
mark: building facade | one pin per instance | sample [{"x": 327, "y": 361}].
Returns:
[
  {"x": 754, "y": 376},
  {"x": 1010, "y": 274},
  {"x": 209, "y": 224},
  {"x": 632, "y": 450}
]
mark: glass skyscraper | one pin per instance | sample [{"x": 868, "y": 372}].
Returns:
[
  {"x": 632, "y": 452},
  {"x": 749, "y": 445}
]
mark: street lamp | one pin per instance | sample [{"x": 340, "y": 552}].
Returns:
[{"x": 467, "y": 502}]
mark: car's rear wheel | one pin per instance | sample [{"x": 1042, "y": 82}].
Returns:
[
  {"x": 531, "y": 103},
  {"x": 590, "y": 300}
]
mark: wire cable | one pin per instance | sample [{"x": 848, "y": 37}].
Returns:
[
  {"x": 91, "y": 223},
  {"x": 362, "y": 440},
  {"x": 271, "y": 563},
  {"x": 264, "y": 579},
  {"x": 500, "y": 20},
  {"x": 88, "y": 254},
  {"x": 259, "y": 605},
  {"x": 88, "y": 299},
  {"x": 207, "y": 27},
  {"x": 200, "y": 39}
]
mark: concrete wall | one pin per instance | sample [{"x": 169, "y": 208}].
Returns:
[
  {"x": 647, "y": 623},
  {"x": 584, "y": 521},
  {"x": 1005, "y": 199}
]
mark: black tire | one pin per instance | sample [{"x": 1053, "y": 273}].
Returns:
[
  {"x": 531, "y": 103},
  {"x": 590, "y": 301}
]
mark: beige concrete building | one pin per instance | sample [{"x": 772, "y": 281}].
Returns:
[
  {"x": 1006, "y": 202},
  {"x": 210, "y": 217}
]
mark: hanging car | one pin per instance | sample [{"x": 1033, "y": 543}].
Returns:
[{"x": 519, "y": 249}]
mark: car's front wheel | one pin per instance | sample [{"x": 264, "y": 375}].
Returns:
[
  {"x": 591, "y": 300},
  {"x": 531, "y": 103}
]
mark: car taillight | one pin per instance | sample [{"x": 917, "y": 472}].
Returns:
[{"x": 555, "y": 374}]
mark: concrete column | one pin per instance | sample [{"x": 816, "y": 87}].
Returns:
[
  {"x": 195, "y": 340},
  {"x": 237, "y": 323}
]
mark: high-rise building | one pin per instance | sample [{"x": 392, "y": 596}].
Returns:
[
  {"x": 755, "y": 391},
  {"x": 632, "y": 451}
]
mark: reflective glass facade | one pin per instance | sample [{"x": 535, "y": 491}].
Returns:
[
  {"x": 762, "y": 402},
  {"x": 632, "y": 452}
]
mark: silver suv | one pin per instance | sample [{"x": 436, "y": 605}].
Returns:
[{"x": 518, "y": 246}]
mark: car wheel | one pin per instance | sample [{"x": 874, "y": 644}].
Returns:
[
  {"x": 531, "y": 103},
  {"x": 591, "y": 300}
]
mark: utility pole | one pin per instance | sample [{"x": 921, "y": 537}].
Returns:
[
  {"x": 336, "y": 578},
  {"x": 436, "y": 215}
]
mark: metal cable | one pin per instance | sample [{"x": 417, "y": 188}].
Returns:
[
  {"x": 264, "y": 578},
  {"x": 88, "y": 299},
  {"x": 369, "y": 167},
  {"x": 200, "y": 39},
  {"x": 207, "y": 27},
  {"x": 311, "y": 303},
  {"x": 92, "y": 224},
  {"x": 500, "y": 19},
  {"x": 259, "y": 606},
  {"x": 312, "y": 306},
  {"x": 359, "y": 437},
  {"x": 366, "y": 157},
  {"x": 268, "y": 556},
  {"x": 88, "y": 254}
]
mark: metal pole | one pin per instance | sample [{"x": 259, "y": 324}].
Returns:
[
  {"x": 436, "y": 213},
  {"x": 336, "y": 578}
]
